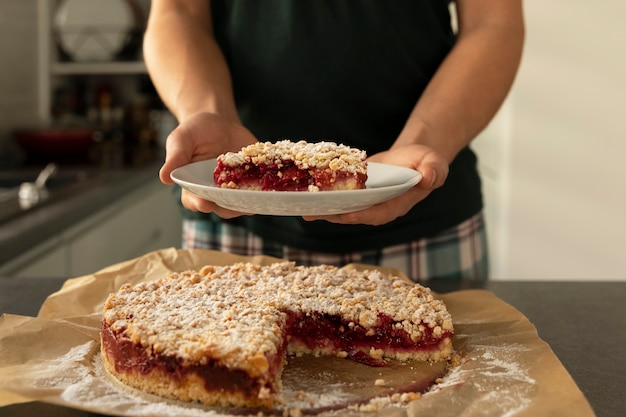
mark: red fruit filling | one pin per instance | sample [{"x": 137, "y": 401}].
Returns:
[
  {"x": 132, "y": 357},
  {"x": 285, "y": 177},
  {"x": 327, "y": 332},
  {"x": 315, "y": 331}
]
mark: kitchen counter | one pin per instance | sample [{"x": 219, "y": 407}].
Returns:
[
  {"x": 104, "y": 186},
  {"x": 583, "y": 322}
]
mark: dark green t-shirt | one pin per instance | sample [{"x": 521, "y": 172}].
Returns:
[{"x": 347, "y": 71}]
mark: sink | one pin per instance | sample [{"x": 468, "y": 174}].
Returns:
[{"x": 65, "y": 182}]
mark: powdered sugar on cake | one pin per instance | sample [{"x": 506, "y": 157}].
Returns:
[{"x": 303, "y": 154}]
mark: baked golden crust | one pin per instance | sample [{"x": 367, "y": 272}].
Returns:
[
  {"x": 240, "y": 318},
  {"x": 190, "y": 387}
]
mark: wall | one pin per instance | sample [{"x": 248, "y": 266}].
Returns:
[
  {"x": 18, "y": 66},
  {"x": 554, "y": 157}
]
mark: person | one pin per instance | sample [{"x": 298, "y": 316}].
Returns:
[{"x": 398, "y": 79}]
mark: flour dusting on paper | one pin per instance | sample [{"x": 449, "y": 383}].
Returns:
[
  {"x": 493, "y": 376},
  {"x": 55, "y": 373}
]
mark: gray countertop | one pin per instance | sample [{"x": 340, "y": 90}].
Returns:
[
  {"x": 34, "y": 226},
  {"x": 583, "y": 322}
]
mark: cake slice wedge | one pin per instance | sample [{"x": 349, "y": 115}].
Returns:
[{"x": 292, "y": 166}]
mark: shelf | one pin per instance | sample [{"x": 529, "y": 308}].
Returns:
[{"x": 98, "y": 68}]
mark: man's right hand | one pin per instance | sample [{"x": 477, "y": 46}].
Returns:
[{"x": 201, "y": 137}]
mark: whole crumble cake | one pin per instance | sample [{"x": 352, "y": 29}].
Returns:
[
  {"x": 221, "y": 335},
  {"x": 292, "y": 166}
]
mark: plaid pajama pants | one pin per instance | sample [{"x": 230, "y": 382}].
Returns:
[{"x": 456, "y": 253}]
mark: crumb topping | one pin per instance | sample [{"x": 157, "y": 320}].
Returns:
[
  {"x": 303, "y": 154},
  {"x": 236, "y": 314}
]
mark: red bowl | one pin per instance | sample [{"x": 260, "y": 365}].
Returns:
[{"x": 55, "y": 141}]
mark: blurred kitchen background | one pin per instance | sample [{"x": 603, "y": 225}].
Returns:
[
  {"x": 74, "y": 91},
  {"x": 552, "y": 160}
]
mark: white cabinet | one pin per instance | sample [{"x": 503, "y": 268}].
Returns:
[
  {"x": 145, "y": 221},
  {"x": 48, "y": 259},
  {"x": 142, "y": 221}
]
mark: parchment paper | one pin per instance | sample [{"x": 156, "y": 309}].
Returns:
[{"x": 505, "y": 370}]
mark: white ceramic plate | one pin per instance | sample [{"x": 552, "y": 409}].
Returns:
[{"x": 384, "y": 182}]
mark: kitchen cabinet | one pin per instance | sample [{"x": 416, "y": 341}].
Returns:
[
  {"x": 47, "y": 259},
  {"x": 142, "y": 221},
  {"x": 145, "y": 221},
  {"x": 57, "y": 74}
]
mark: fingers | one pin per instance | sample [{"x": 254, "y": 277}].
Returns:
[
  {"x": 434, "y": 172},
  {"x": 434, "y": 169},
  {"x": 194, "y": 203},
  {"x": 378, "y": 214},
  {"x": 177, "y": 153},
  {"x": 164, "y": 174},
  {"x": 201, "y": 137}
]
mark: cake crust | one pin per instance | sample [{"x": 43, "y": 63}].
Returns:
[{"x": 244, "y": 318}]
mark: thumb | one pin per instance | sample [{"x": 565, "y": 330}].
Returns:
[
  {"x": 176, "y": 155},
  {"x": 433, "y": 176}
]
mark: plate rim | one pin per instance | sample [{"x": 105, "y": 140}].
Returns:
[
  {"x": 226, "y": 197},
  {"x": 414, "y": 180}
]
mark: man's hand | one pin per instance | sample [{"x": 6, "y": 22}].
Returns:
[
  {"x": 203, "y": 136},
  {"x": 434, "y": 170}
]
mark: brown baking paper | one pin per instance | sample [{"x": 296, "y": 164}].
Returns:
[{"x": 505, "y": 370}]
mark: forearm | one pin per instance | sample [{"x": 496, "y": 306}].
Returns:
[
  {"x": 471, "y": 83},
  {"x": 184, "y": 61}
]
